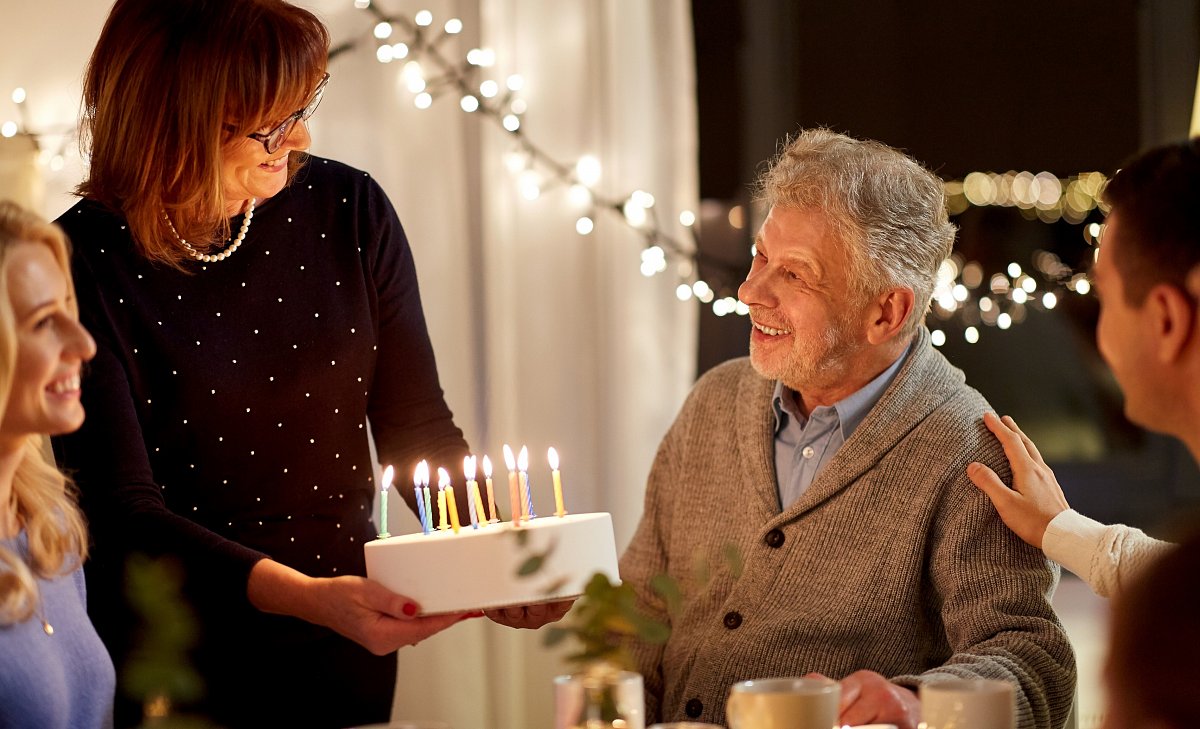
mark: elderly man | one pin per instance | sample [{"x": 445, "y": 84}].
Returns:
[
  {"x": 834, "y": 461},
  {"x": 1147, "y": 276}
]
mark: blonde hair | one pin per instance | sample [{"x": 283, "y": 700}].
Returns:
[
  {"x": 888, "y": 211},
  {"x": 42, "y": 498}
]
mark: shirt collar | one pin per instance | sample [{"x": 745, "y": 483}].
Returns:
[{"x": 850, "y": 410}]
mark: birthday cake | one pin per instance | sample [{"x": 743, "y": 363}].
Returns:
[{"x": 477, "y": 569}]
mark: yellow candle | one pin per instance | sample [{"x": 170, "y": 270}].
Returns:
[
  {"x": 473, "y": 486},
  {"x": 487, "y": 478},
  {"x": 444, "y": 482},
  {"x": 442, "y": 509},
  {"x": 552, "y": 456},
  {"x": 514, "y": 493}
]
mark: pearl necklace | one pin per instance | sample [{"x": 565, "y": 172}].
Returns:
[{"x": 206, "y": 258}]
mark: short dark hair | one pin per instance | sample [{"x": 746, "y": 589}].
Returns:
[
  {"x": 1156, "y": 196},
  {"x": 1155, "y": 632}
]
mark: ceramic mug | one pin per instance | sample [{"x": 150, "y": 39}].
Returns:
[
  {"x": 783, "y": 703},
  {"x": 973, "y": 703}
]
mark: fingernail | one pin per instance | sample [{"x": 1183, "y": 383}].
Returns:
[{"x": 409, "y": 609}]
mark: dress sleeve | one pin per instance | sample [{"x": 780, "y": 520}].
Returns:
[
  {"x": 994, "y": 601},
  {"x": 1107, "y": 557},
  {"x": 407, "y": 409},
  {"x": 107, "y": 459}
]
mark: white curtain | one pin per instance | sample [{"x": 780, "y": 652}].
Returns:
[{"x": 543, "y": 336}]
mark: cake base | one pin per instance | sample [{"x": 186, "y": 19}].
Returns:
[{"x": 476, "y": 569}]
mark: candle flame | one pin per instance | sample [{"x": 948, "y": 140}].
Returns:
[
  {"x": 421, "y": 474},
  {"x": 508, "y": 458},
  {"x": 487, "y": 467},
  {"x": 388, "y": 474},
  {"x": 469, "y": 467},
  {"x": 523, "y": 459},
  {"x": 443, "y": 478},
  {"x": 552, "y": 456}
]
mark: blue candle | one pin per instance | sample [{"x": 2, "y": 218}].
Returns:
[
  {"x": 421, "y": 478},
  {"x": 523, "y": 467}
]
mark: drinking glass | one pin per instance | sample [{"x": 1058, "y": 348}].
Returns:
[{"x": 599, "y": 700}]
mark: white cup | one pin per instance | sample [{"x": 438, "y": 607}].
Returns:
[
  {"x": 783, "y": 703},
  {"x": 968, "y": 704}
]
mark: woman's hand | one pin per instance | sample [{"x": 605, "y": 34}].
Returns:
[
  {"x": 1035, "y": 497},
  {"x": 530, "y": 616},
  {"x": 362, "y": 610}
]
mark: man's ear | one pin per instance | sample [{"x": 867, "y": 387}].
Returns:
[
  {"x": 1171, "y": 314},
  {"x": 888, "y": 312}
]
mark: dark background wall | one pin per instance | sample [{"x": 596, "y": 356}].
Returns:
[{"x": 1064, "y": 87}]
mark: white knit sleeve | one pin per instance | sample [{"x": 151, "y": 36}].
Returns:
[{"x": 1106, "y": 557}]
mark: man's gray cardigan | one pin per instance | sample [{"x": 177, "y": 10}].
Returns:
[{"x": 891, "y": 561}]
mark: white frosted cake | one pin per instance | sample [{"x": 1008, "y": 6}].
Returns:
[{"x": 476, "y": 569}]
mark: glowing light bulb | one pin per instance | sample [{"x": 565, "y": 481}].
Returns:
[
  {"x": 511, "y": 122},
  {"x": 423, "y": 18},
  {"x": 1004, "y": 321},
  {"x": 423, "y": 100},
  {"x": 971, "y": 335},
  {"x": 8, "y": 129},
  {"x": 469, "y": 103},
  {"x": 683, "y": 292},
  {"x": 384, "y": 54},
  {"x": 515, "y": 82},
  {"x": 1049, "y": 300},
  {"x": 453, "y": 26},
  {"x": 489, "y": 88},
  {"x": 383, "y": 30},
  {"x": 687, "y": 218},
  {"x": 587, "y": 170},
  {"x": 584, "y": 225},
  {"x": 18, "y": 95},
  {"x": 937, "y": 337}
]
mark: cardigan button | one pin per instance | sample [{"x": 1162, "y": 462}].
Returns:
[
  {"x": 733, "y": 619},
  {"x": 694, "y": 708},
  {"x": 775, "y": 539}
]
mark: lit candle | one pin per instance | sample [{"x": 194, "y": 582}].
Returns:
[
  {"x": 428, "y": 503},
  {"x": 552, "y": 456},
  {"x": 443, "y": 525},
  {"x": 388, "y": 473},
  {"x": 523, "y": 467},
  {"x": 487, "y": 479},
  {"x": 472, "y": 489},
  {"x": 514, "y": 494},
  {"x": 421, "y": 483},
  {"x": 444, "y": 478}
]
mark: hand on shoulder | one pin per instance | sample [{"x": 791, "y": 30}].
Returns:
[{"x": 1035, "y": 497}]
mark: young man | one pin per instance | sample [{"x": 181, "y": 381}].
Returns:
[{"x": 1147, "y": 276}]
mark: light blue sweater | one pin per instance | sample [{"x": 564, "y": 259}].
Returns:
[{"x": 60, "y": 680}]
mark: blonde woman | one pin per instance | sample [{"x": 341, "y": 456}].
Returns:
[{"x": 54, "y": 671}]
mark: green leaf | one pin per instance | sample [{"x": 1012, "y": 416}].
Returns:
[
  {"x": 522, "y": 537},
  {"x": 668, "y": 589},
  {"x": 531, "y": 565},
  {"x": 555, "y": 635},
  {"x": 733, "y": 557}
]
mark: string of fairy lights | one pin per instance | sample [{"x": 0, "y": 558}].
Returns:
[{"x": 966, "y": 297}]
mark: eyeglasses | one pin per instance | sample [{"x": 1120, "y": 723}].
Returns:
[{"x": 274, "y": 139}]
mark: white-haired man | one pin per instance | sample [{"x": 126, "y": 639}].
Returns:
[{"x": 834, "y": 460}]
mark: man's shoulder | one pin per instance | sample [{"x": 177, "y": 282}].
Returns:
[{"x": 733, "y": 378}]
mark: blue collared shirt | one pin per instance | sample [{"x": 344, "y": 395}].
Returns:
[{"x": 804, "y": 445}]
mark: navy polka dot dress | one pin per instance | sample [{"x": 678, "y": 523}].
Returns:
[{"x": 227, "y": 417}]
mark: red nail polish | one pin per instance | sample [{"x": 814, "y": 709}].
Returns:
[{"x": 410, "y": 609}]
